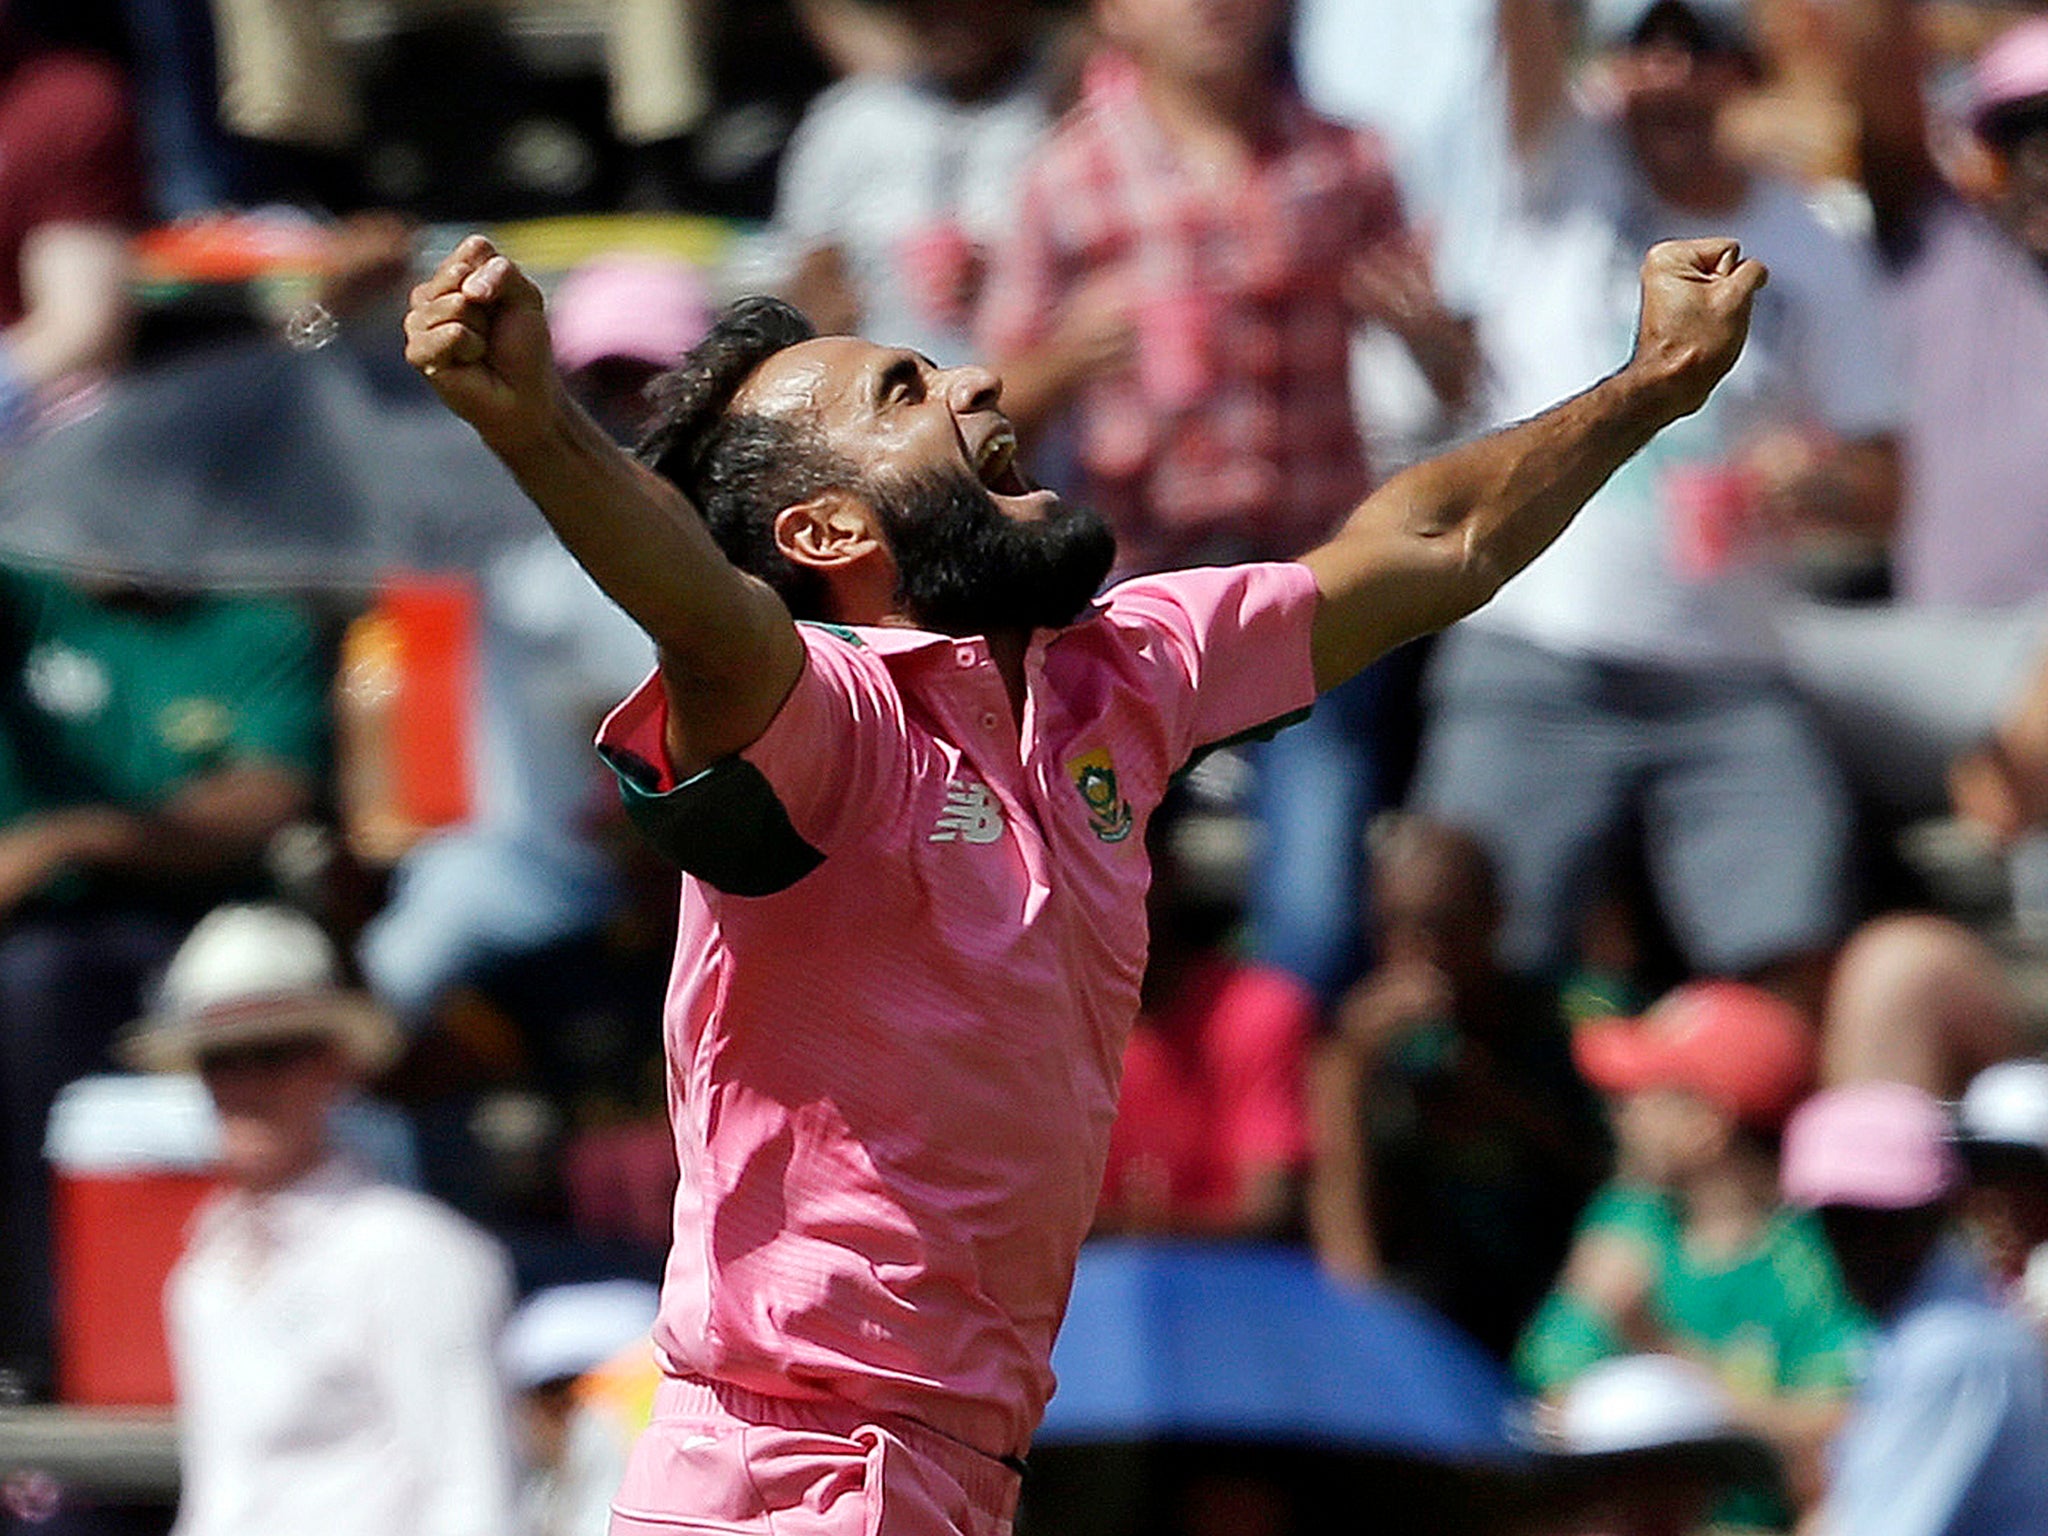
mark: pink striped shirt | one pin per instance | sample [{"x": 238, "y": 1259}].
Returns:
[{"x": 910, "y": 945}]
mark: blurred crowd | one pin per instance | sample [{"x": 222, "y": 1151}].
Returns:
[{"x": 1653, "y": 965}]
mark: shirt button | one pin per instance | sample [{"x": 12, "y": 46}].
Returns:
[
  {"x": 988, "y": 720},
  {"x": 965, "y": 656}
]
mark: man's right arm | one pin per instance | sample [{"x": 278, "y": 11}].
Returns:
[
  {"x": 1439, "y": 539},
  {"x": 729, "y": 651}
]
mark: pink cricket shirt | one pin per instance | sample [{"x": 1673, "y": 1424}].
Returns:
[{"x": 910, "y": 945}]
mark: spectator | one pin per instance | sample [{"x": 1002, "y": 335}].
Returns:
[
  {"x": 289, "y": 94},
  {"x": 332, "y": 1339},
  {"x": 1959, "y": 671},
  {"x": 1455, "y": 1140},
  {"x": 1635, "y": 674},
  {"x": 575, "y": 1450},
  {"x": 1211, "y": 1132},
  {"x": 894, "y": 185},
  {"x": 1424, "y": 78},
  {"x": 1192, "y": 252},
  {"x": 1949, "y": 1432},
  {"x": 1689, "y": 1250},
  {"x": 1973, "y": 299},
  {"x": 71, "y": 187},
  {"x": 2002, "y": 1125},
  {"x": 151, "y": 747}
]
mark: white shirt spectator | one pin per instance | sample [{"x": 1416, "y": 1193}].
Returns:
[
  {"x": 334, "y": 1347},
  {"x": 1613, "y": 587},
  {"x": 875, "y": 159}
]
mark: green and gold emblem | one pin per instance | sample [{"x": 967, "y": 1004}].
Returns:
[{"x": 1109, "y": 814}]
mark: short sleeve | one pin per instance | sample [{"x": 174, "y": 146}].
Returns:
[
  {"x": 832, "y": 761},
  {"x": 1563, "y": 1340},
  {"x": 1567, "y": 1334},
  {"x": 1223, "y": 651}
]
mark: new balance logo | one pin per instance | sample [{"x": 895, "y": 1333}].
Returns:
[{"x": 971, "y": 815}]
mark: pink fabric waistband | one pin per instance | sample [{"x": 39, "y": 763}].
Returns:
[{"x": 992, "y": 1482}]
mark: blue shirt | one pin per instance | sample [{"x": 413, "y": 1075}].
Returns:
[{"x": 1949, "y": 1435}]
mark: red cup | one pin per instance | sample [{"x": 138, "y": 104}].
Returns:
[{"x": 1711, "y": 509}]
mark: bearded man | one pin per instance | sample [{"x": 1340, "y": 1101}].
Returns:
[{"x": 905, "y": 758}]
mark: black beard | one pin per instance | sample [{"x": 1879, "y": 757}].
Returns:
[{"x": 966, "y": 569}]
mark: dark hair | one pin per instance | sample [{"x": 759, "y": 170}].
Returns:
[
  {"x": 740, "y": 469},
  {"x": 2004, "y": 125}
]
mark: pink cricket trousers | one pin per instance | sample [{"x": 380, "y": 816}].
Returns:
[{"x": 717, "y": 1459}]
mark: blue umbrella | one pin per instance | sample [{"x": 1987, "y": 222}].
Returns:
[{"x": 1210, "y": 1341}]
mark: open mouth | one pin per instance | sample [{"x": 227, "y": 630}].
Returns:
[{"x": 995, "y": 465}]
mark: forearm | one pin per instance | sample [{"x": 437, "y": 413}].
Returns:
[
  {"x": 646, "y": 547},
  {"x": 1340, "y": 1181},
  {"x": 1534, "y": 61},
  {"x": 217, "y": 828},
  {"x": 1447, "y": 353},
  {"x": 1886, "y": 67},
  {"x": 77, "y": 315},
  {"x": 1443, "y": 536},
  {"x": 144, "y": 853}
]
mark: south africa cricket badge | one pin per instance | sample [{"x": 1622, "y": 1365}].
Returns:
[{"x": 1109, "y": 814}]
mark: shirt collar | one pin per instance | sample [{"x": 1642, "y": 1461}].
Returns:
[{"x": 282, "y": 1212}]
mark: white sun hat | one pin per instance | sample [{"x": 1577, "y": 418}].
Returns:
[
  {"x": 2007, "y": 1104},
  {"x": 566, "y": 1330},
  {"x": 256, "y": 974},
  {"x": 1632, "y": 1402}
]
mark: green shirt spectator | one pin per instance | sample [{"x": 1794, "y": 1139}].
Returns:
[
  {"x": 1775, "y": 1319},
  {"x": 123, "y": 697}
]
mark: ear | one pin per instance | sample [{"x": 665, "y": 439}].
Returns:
[{"x": 834, "y": 529}]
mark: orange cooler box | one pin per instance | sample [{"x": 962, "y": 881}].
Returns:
[{"x": 130, "y": 1160}]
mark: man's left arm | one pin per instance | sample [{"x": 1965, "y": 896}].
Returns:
[
  {"x": 1439, "y": 539},
  {"x": 217, "y": 826},
  {"x": 86, "y": 195}
]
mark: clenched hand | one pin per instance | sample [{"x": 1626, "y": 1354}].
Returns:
[
  {"x": 1697, "y": 296},
  {"x": 477, "y": 331}
]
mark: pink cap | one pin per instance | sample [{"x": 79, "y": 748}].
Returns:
[
  {"x": 1881, "y": 1146},
  {"x": 647, "y": 308},
  {"x": 2012, "y": 70}
]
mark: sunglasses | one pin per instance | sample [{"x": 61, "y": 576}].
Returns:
[{"x": 258, "y": 1056}]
